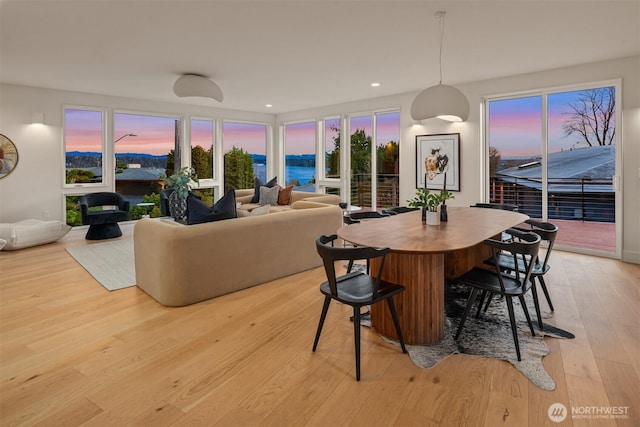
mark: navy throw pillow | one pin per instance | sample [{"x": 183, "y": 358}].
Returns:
[
  {"x": 199, "y": 212},
  {"x": 256, "y": 188}
]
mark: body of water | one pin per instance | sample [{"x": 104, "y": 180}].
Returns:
[{"x": 302, "y": 174}]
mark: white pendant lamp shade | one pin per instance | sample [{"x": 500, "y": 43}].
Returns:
[
  {"x": 442, "y": 101},
  {"x": 195, "y": 85}
]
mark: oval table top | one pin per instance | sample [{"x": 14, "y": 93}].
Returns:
[{"x": 407, "y": 233}]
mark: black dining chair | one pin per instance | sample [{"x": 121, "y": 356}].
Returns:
[
  {"x": 399, "y": 210},
  {"x": 368, "y": 215},
  {"x": 547, "y": 232},
  {"x": 356, "y": 289},
  {"x": 501, "y": 206},
  {"x": 498, "y": 282}
]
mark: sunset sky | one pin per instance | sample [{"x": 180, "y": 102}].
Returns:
[{"x": 515, "y": 128}]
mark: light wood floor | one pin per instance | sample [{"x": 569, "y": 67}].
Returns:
[{"x": 72, "y": 353}]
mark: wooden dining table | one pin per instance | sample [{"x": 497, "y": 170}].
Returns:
[{"x": 422, "y": 257}]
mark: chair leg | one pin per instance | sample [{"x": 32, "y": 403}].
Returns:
[
  {"x": 514, "y": 331},
  {"x": 396, "y": 322},
  {"x": 349, "y": 266},
  {"x": 356, "y": 334},
  {"x": 526, "y": 314},
  {"x": 482, "y": 296},
  {"x": 486, "y": 306},
  {"x": 472, "y": 297},
  {"x": 536, "y": 303},
  {"x": 323, "y": 316},
  {"x": 546, "y": 292}
]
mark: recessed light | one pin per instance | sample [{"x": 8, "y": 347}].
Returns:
[
  {"x": 375, "y": 84},
  {"x": 268, "y": 105}
]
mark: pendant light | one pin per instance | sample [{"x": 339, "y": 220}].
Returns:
[
  {"x": 442, "y": 101},
  {"x": 196, "y": 85}
]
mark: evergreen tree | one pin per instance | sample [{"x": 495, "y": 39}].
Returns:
[{"x": 238, "y": 169}]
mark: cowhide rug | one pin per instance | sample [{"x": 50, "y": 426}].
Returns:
[{"x": 490, "y": 336}]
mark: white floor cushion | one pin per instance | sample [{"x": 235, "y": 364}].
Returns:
[{"x": 31, "y": 232}]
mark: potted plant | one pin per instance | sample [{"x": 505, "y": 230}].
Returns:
[
  {"x": 429, "y": 203},
  {"x": 179, "y": 182}
]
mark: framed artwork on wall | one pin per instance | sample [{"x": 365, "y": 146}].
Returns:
[
  {"x": 8, "y": 156},
  {"x": 438, "y": 161}
]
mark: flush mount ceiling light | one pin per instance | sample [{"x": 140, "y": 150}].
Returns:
[
  {"x": 441, "y": 101},
  {"x": 196, "y": 85}
]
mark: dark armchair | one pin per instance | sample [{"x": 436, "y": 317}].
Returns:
[{"x": 103, "y": 222}]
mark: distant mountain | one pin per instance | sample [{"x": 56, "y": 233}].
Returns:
[{"x": 88, "y": 159}]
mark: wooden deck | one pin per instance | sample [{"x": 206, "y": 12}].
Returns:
[{"x": 598, "y": 236}]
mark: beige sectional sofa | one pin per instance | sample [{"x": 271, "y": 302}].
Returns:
[
  {"x": 179, "y": 265},
  {"x": 243, "y": 197}
]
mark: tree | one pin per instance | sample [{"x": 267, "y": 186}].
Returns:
[
  {"x": 494, "y": 160},
  {"x": 75, "y": 176},
  {"x": 201, "y": 162},
  {"x": 238, "y": 169},
  {"x": 360, "y": 153},
  {"x": 592, "y": 117}
]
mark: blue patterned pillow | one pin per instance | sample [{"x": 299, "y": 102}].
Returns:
[{"x": 199, "y": 212}]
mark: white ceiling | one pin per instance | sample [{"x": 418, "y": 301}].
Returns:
[{"x": 299, "y": 54}]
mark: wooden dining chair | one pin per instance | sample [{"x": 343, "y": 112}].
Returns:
[
  {"x": 356, "y": 289},
  {"x": 498, "y": 282},
  {"x": 547, "y": 232}
]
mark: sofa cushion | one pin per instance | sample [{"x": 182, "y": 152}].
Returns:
[
  {"x": 262, "y": 210},
  {"x": 31, "y": 232},
  {"x": 284, "y": 195},
  {"x": 199, "y": 212},
  {"x": 269, "y": 196},
  {"x": 256, "y": 188}
]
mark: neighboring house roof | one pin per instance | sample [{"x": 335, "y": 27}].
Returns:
[
  {"x": 140, "y": 174},
  {"x": 569, "y": 167}
]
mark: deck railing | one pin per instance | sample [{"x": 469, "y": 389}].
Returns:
[{"x": 579, "y": 199}]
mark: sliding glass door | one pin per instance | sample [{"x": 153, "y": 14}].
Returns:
[{"x": 554, "y": 155}]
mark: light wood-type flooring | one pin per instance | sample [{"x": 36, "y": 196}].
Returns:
[{"x": 72, "y": 353}]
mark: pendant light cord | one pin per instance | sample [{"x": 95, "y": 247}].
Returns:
[{"x": 440, "y": 17}]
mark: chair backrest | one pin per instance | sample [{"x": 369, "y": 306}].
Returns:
[
  {"x": 524, "y": 249},
  {"x": 330, "y": 254},
  {"x": 502, "y": 206},
  {"x": 104, "y": 198},
  {"x": 399, "y": 210},
  {"x": 368, "y": 215},
  {"x": 547, "y": 232}
]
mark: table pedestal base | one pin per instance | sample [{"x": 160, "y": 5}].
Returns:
[{"x": 423, "y": 277}]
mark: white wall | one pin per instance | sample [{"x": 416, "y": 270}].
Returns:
[
  {"x": 36, "y": 184},
  {"x": 627, "y": 69}
]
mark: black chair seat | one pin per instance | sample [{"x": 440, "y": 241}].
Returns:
[
  {"x": 486, "y": 280},
  {"x": 108, "y": 216},
  {"x": 357, "y": 289},
  {"x": 506, "y": 262}
]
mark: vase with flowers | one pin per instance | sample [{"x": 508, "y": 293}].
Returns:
[
  {"x": 179, "y": 182},
  {"x": 429, "y": 202}
]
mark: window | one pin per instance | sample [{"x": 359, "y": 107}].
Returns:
[
  {"x": 245, "y": 154},
  {"x": 84, "y": 146},
  {"x": 331, "y": 132},
  {"x": 202, "y": 148},
  {"x": 387, "y": 161},
  {"x": 144, "y": 152},
  {"x": 300, "y": 155}
]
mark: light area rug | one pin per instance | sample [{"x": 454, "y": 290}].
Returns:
[
  {"x": 489, "y": 335},
  {"x": 110, "y": 263}
]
